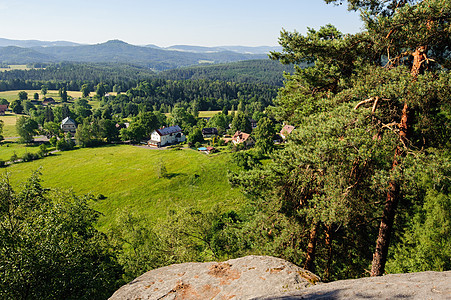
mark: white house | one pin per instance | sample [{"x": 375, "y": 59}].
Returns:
[
  {"x": 68, "y": 125},
  {"x": 165, "y": 136}
]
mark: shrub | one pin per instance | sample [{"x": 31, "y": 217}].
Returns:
[
  {"x": 14, "y": 157},
  {"x": 64, "y": 144},
  {"x": 29, "y": 156},
  {"x": 53, "y": 140}
]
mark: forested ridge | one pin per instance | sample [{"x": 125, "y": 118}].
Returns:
[
  {"x": 73, "y": 76},
  {"x": 116, "y": 51},
  {"x": 251, "y": 71},
  {"x": 360, "y": 188}
]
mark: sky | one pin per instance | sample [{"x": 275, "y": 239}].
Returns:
[{"x": 169, "y": 22}]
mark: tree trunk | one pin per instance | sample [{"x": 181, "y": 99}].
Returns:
[
  {"x": 385, "y": 228},
  {"x": 328, "y": 242},
  {"x": 311, "y": 248},
  {"x": 393, "y": 195}
]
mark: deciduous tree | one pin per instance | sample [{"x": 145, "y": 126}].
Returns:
[
  {"x": 50, "y": 248},
  {"x": 264, "y": 135},
  {"x": 23, "y": 95},
  {"x": 26, "y": 128}
]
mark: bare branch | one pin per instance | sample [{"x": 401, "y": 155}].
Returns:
[
  {"x": 375, "y": 104},
  {"x": 389, "y": 125},
  {"x": 363, "y": 102}
]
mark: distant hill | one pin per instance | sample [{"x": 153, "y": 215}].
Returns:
[
  {"x": 116, "y": 51},
  {"x": 34, "y": 43},
  {"x": 237, "y": 49},
  {"x": 19, "y": 55}
]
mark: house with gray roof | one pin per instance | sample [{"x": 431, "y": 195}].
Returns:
[
  {"x": 166, "y": 136},
  {"x": 68, "y": 125}
]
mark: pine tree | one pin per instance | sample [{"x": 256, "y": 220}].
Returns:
[{"x": 368, "y": 104}]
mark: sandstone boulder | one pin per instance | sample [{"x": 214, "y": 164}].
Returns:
[
  {"x": 412, "y": 286},
  {"x": 265, "y": 278},
  {"x": 242, "y": 278}
]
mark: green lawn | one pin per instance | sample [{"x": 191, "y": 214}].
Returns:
[
  {"x": 8, "y": 148},
  {"x": 9, "y": 125},
  {"x": 128, "y": 177},
  {"x": 13, "y": 95},
  {"x": 15, "y": 67},
  {"x": 208, "y": 113}
]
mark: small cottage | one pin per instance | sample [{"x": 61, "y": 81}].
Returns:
[
  {"x": 3, "y": 109},
  {"x": 286, "y": 130},
  {"x": 166, "y": 136},
  {"x": 243, "y": 138},
  {"x": 209, "y": 132},
  {"x": 68, "y": 125},
  {"x": 48, "y": 101}
]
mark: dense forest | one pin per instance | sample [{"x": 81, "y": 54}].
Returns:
[
  {"x": 251, "y": 71},
  {"x": 362, "y": 186},
  {"x": 73, "y": 76}
]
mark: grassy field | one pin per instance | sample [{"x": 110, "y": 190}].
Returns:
[
  {"x": 13, "y": 95},
  {"x": 128, "y": 177},
  {"x": 15, "y": 67},
  {"x": 203, "y": 113},
  {"x": 9, "y": 125},
  {"x": 208, "y": 113},
  {"x": 8, "y": 148}
]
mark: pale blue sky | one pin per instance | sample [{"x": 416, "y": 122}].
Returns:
[{"x": 169, "y": 22}]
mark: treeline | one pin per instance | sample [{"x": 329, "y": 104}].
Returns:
[
  {"x": 251, "y": 71},
  {"x": 73, "y": 76},
  {"x": 162, "y": 94}
]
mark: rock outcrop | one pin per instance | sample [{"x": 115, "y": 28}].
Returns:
[
  {"x": 243, "y": 278},
  {"x": 421, "y": 286},
  {"x": 264, "y": 278}
]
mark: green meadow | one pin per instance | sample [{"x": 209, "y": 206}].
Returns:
[
  {"x": 8, "y": 148},
  {"x": 128, "y": 176},
  {"x": 15, "y": 67},
  {"x": 208, "y": 113},
  {"x": 13, "y": 95},
  {"x": 9, "y": 125}
]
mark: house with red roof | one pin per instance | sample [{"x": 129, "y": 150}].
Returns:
[
  {"x": 243, "y": 138},
  {"x": 3, "y": 109},
  {"x": 286, "y": 130}
]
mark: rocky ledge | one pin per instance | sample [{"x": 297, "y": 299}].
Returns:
[{"x": 264, "y": 277}]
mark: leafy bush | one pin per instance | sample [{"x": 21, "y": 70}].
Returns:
[
  {"x": 64, "y": 145},
  {"x": 53, "y": 250},
  {"x": 29, "y": 156}
]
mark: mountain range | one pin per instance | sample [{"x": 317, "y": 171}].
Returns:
[{"x": 116, "y": 51}]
